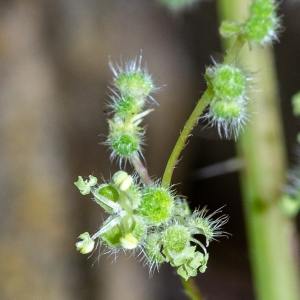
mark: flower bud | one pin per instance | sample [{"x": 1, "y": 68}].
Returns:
[
  {"x": 86, "y": 245},
  {"x": 229, "y": 82},
  {"x": 262, "y": 8},
  {"x": 263, "y": 24},
  {"x": 124, "y": 143},
  {"x": 126, "y": 106},
  {"x": 227, "y": 110},
  {"x": 122, "y": 180},
  {"x": 133, "y": 81},
  {"x": 129, "y": 241},
  {"x": 176, "y": 238},
  {"x": 84, "y": 186},
  {"x": 156, "y": 204},
  {"x": 153, "y": 250},
  {"x": 134, "y": 84}
]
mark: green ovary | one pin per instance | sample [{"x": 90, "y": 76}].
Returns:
[
  {"x": 153, "y": 249},
  {"x": 134, "y": 84},
  {"x": 176, "y": 238},
  {"x": 125, "y": 144},
  {"x": 259, "y": 28},
  {"x": 263, "y": 8},
  {"x": 127, "y": 106},
  {"x": 229, "y": 82},
  {"x": 112, "y": 237},
  {"x": 156, "y": 205},
  {"x": 109, "y": 191},
  {"x": 227, "y": 110}
]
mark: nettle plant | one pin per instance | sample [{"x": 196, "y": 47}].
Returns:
[{"x": 145, "y": 216}]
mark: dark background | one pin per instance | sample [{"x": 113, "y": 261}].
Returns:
[{"x": 53, "y": 94}]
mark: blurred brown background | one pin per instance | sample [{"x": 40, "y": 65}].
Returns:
[{"x": 53, "y": 89}]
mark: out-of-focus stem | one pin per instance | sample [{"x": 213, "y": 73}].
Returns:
[
  {"x": 191, "y": 289},
  {"x": 271, "y": 234}
]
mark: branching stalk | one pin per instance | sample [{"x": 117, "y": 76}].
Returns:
[{"x": 194, "y": 117}]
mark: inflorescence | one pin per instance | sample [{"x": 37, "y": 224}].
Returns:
[
  {"x": 150, "y": 220},
  {"x": 145, "y": 217},
  {"x": 228, "y": 108}
]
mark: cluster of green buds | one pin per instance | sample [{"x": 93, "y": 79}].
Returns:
[
  {"x": 261, "y": 28},
  {"x": 229, "y": 84},
  {"x": 144, "y": 217},
  {"x": 132, "y": 86},
  {"x": 150, "y": 220},
  {"x": 228, "y": 107}
]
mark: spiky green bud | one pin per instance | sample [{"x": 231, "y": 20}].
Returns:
[
  {"x": 134, "y": 84},
  {"x": 229, "y": 82},
  {"x": 125, "y": 106},
  {"x": 263, "y": 24},
  {"x": 156, "y": 204},
  {"x": 124, "y": 143},
  {"x": 176, "y": 238},
  {"x": 153, "y": 250}
]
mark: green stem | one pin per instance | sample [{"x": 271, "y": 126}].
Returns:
[
  {"x": 189, "y": 125},
  {"x": 272, "y": 236},
  {"x": 234, "y": 50},
  {"x": 191, "y": 289},
  {"x": 194, "y": 117},
  {"x": 141, "y": 169}
]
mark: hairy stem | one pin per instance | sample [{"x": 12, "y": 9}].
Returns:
[
  {"x": 194, "y": 117},
  {"x": 141, "y": 169}
]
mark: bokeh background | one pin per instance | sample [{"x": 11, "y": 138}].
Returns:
[{"x": 54, "y": 75}]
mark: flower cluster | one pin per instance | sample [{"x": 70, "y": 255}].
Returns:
[
  {"x": 152, "y": 221},
  {"x": 260, "y": 29},
  {"x": 228, "y": 107},
  {"x": 132, "y": 86},
  {"x": 143, "y": 216}
]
